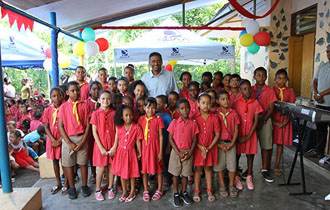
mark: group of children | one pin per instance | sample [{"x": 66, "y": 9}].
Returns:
[{"x": 183, "y": 136}]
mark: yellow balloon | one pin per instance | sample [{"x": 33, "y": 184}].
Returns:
[
  {"x": 172, "y": 62},
  {"x": 246, "y": 40},
  {"x": 78, "y": 48},
  {"x": 64, "y": 62}
]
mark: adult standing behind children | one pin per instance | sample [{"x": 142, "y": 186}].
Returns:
[{"x": 159, "y": 81}]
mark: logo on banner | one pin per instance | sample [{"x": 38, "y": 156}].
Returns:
[
  {"x": 225, "y": 50},
  {"x": 175, "y": 51},
  {"x": 124, "y": 54}
]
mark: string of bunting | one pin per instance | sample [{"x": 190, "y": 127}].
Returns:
[
  {"x": 168, "y": 27},
  {"x": 247, "y": 14}
]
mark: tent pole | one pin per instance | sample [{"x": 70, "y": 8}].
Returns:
[
  {"x": 183, "y": 14},
  {"x": 115, "y": 69},
  {"x": 53, "y": 44},
  {"x": 4, "y": 159}
]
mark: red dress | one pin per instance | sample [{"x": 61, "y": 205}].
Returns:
[
  {"x": 283, "y": 136},
  {"x": 207, "y": 129},
  {"x": 52, "y": 153},
  {"x": 184, "y": 93},
  {"x": 151, "y": 146},
  {"x": 106, "y": 132},
  {"x": 246, "y": 112},
  {"x": 125, "y": 162},
  {"x": 20, "y": 156},
  {"x": 194, "y": 110},
  {"x": 92, "y": 105}
]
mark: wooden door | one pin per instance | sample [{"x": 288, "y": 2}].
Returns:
[
  {"x": 295, "y": 63},
  {"x": 307, "y": 65}
]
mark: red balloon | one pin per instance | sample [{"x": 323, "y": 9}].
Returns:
[
  {"x": 262, "y": 38},
  {"x": 103, "y": 44},
  {"x": 168, "y": 67},
  {"x": 48, "y": 53}
]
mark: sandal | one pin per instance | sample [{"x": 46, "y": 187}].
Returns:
[
  {"x": 233, "y": 192},
  {"x": 158, "y": 194},
  {"x": 64, "y": 190},
  {"x": 196, "y": 197},
  {"x": 55, "y": 189},
  {"x": 122, "y": 198},
  {"x": 130, "y": 199},
  {"x": 210, "y": 197},
  {"x": 146, "y": 196},
  {"x": 223, "y": 191},
  {"x": 92, "y": 180},
  {"x": 278, "y": 172}
]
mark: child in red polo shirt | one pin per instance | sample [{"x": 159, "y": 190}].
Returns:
[
  {"x": 183, "y": 138},
  {"x": 282, "y": 125},
  {"x": 206, "y": 153},
  {"x": 234, "y": 93},
  {"x": 152, "y": 148},
  {"x": 229, "y": 122},
  {"x": 104, "y": 133},
  {"x": 74, "y": 116},
  {"x": 193, "y": 99},
  {"x": 81, "y": 79},
  {"x": 172, "y": 99},
  {"x": 122, "y": 85},
  {"x": 185, "y": 78},
  {"x": 54, "y": 139},
  {"x": 248, "y": 110},
  {"x": 103, "y": 76},
  {"x": 265, "y": 95}
]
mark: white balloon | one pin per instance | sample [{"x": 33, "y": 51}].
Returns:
[
  {"x": 252, "y": 27},
  {"x": 91, "y": 48},
  {"x": 48, "y": 64}
]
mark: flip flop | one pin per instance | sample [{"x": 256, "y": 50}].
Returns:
[
  {"x": 158, "y": 194},
  {"x": 55, "y": 189}
]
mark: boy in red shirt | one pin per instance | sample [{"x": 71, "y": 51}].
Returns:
[
  {"x": 74, "y": 116},
  {"x": 83, "y": 84}
]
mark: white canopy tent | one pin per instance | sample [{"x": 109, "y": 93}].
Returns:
[{"x": 182, "y": 45}]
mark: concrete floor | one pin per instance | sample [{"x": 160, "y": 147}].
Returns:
[{"x": 265, "y": 196}]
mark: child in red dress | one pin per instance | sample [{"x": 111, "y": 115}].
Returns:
[
  {"x": 54, "y": 139},
  {"x": 152, "y": 148},
  {"x": 95, "y": 89},
  {"x": 125, "y": 161},
  {"x": 23, "y": 115},
  {"x": 104, "y": 134},
  {"x": 217, "y": 81},
  {"x": 193, "y": 93},
  {"x": 234, "y": 93},
  {"x": 112, "y": 85},
  {"x": 185, "y": 78},
  {"x": 206, "y": 153},
  {"x": 213, "y": 95},
  {"x": 35, "y": 123},
  {"x": 122, "y": 85},
  {"x": 129, "y": 73},
  {"x": 225, "y": 82},
  {"x": 74, "y": 116},
  {"x": 248, "y": 110},
  {"x": 81, "y": 79},
  {"x": 137, "y": 91},
  {"x": 229, "y": 121},
  {"x": 183, "y": 138},
  {"x": 103, "y": 76},
  {"x": 282, "y": 125},
  {"x": 172, "y": 99}
]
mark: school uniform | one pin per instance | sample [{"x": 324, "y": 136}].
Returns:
[
  {"x": 227, "y": 159},
  {"x": 34, "y": 124},
  {"x": 150, "y": 144},
  {"x": 174, "y": 114},
  {"x": 74, "y": 126},
  {"x": 234, "y": 98},
  {"x": 194, "y": 110},
  {"x": 265, "y": 96},
  {"x": 106, "y": 133},
  {"x": 92, "y": 105},
  {"x": 125, "y": 163},
  {"x": 246, "y": 112},
  {"x": 50, "y": 116},
  {"x": 207, "y": 129},
  {"x": 184, "y": 93},
  {"x": 84, "y": 90},
  {"x": 283, "y": 136},
  {"x": 183, "y": 133}
]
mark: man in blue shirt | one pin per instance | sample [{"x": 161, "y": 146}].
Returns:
[{"x": 159, "y": 81}]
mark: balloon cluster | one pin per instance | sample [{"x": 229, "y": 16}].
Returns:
[
  {"x": 64, "y": 61},
  {"x": 252, "y": 38},
  {"x": 170, "y": 65},
  {"x": 90, "y": 46}
]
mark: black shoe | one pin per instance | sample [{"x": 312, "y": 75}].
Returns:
[
  {"x": 244, "y": 175},
  {"x": 268, "y": 178},
  {"x": 177, "y": 200},
  {"x": 85, "y": 191},
  {"x": 186, "y": 198},
  {"x": 72, "y": 193}
]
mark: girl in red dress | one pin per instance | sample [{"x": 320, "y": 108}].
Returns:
[
  {"x": 54, "y": 139},
  {"x": 122, "y": 85},
  {"x": 193, "y": 99},
  {"x": 248, "y": 110},
  {"x": 185, "y": 78},
  {"x": 104, "y": 134},
  {"x": 206, "y": 153},
  {"x": 213, "y": 95},
  {"x": 282, "y": 125},
  {"x": 152, "y": 148},
  {"x": 103, "y": 76},
  {"x": 112, "y": 85},
  {"x": 125, "y": 161}
]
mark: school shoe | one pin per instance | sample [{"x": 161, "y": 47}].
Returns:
[
  {"x": 238, "y": 183},
  {"x": 85, "y": 191},
  {"x": 186, "y": 198},
  {"x": 177, "y": 200},
  {"x": 99, "y": 196},
  {"x": 249, "y": 182},
  {"x": 72, "y": 193},
  {"x": 267, "y": 177}
]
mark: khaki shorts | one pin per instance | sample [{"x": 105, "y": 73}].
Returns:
[
  {"x": 70, "y": 157},
  {"x": 226, "y": 160},
  {"x": 265, "y": 135},
  {"x": 177, "y": 168}
]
